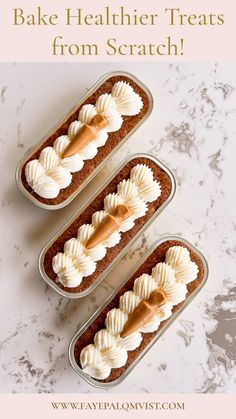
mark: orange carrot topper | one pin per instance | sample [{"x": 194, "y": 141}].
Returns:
[
  {"x": 144, "y": 313},
  {"x": 86, "y": 134},
  {"x": 109, "y": 225}
]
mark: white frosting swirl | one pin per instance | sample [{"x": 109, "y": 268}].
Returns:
[
  {"x": 138, "y": 207},
  {"x": 85, "y": 265},
  {"x": 101, "y": 138},
  {"x": 114, "y": 121},
  {"x": 115, "y": 357},
  {"x": 115, "y": 320},
  {"x": 89, "y": 152},
  {"x": 85, "y": 232},
  {"x": 149, "y": 192},
  {"x": 105, "y": 103},
  {"x": 129, "y": 301},
  {"x": 73, "y": 248},
  {"x": 74, "y": 128},
  {"x": 87, "y": 113},
  {"x": 177, "y": 256},
  {"x": 83, "y": 260},
  {"x": 122, "y": 101},
  {"x": 128, "y": 224},
  {"x": 127, "y": 190},
  {"x": 186, "y": 273},
  {"x": 111, "y": 201},
  {"x": 46, "y": 185},
  {"x": 151, "y": 326},
  {"x": 121, "y": 88},
  {"x": 90, "y": 355},
  {"x": 162, "y": 271},
  {"x": 61, "y": 176},
  {"x": 141, "y": 174},
  {"x": 144, "y": 286},
  {"x": 131, "y": 342},
  {"x": 33, "y": 171},
  {"x": 112, "y": 240},
  {"x": 61, "y": 262},
  {"x": 70, "y": 277},
  {"x": 109, "y": 350},
  {"x": 127, "y": 101},
  {"x": 104, "y": 339},
  {"x": 129, "y": 105},
  {"x": 48, "y": 158},
  {"x": 72, "y": 164},
  {"x": 61, "y": 143},
  {"x": 97, "y": 217}
]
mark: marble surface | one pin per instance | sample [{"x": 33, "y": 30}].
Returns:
[{"x": 192, "y": 130}]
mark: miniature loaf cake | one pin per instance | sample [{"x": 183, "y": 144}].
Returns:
[
  {"x": 74, "y": 151},
  {"x": 140, "y": 309},
  {"x": 80, "y": 254}
]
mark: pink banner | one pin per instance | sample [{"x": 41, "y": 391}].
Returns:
[
  {"x": 117, "y": 31},
  {"x": 133, "y": 406}
]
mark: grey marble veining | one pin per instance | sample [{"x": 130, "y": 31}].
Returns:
[{"x": 192, "y": 130}]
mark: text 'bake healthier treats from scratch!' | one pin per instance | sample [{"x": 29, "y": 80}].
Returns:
[
  {"x": 65, "y": 161},
  {"x": 82, "y": 252},
  {"x": 138, "y": 311}
]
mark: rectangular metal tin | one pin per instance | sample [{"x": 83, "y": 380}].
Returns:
[
  {"x": 112, "y": 384},
  {"x": 58, "y": 125},
  {"x": 118, "y": 257}
]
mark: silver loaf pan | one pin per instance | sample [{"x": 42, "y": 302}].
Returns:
[
  {"x": 76, "y": 106},
  {"x": 108, "y": 268},
  {"x": 160, "y": 331}
]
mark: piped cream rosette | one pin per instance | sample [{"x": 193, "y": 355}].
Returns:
[
  {"x": 77, "y": 261},
  {"x": 52, "y": 171},
  {"x": 109, "y": 349}
]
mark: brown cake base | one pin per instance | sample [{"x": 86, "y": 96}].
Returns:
[
  {"x": 114, "y": 138},
  {"x": 99, "y": 323},
  {"x": 98, "y": 205}
]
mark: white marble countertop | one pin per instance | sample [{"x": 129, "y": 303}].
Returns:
[{"x": 192, "y": 130}]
